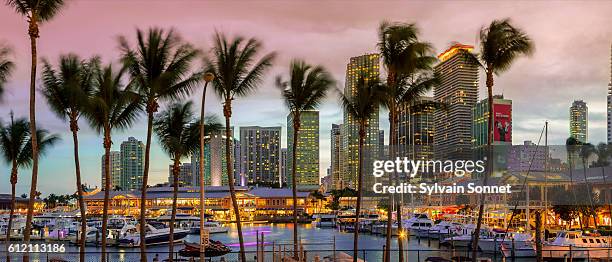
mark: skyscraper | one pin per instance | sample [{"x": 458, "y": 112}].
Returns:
[
  {"x": 185, "y": 176},
  {"x": 283, "y": 167},
  {"x": 579, "y": 121},
  {"x": 502, "y": 121},
  {"x": 367, "y": 66},
  {"x": 381, "y": 144},
  {"x": 610, "y": 101},
  {"x": 115, "y": 170},
  {"x": 215, "y": 161},
  {"x": 307, "y": 155},
  {"x": 336, "y": 151},
  {"x": 132, "y": 164},
  {"x": 260, "y": 153},
  {"x": 415, "y": 132},
  {"x": 458, "y": 89}
]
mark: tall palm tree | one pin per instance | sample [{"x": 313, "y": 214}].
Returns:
[
  {"x": 16, "y": 148},
  {"x": 305, "y": 89},
  {"x": 178, "y": 133},
  {"x": 604, "y": 151},
  {"x": 67, "y": 90},
  {"x": 403, "y": 56},
  {"x": 362, "y": 105},
  {"x": 586, "y": 150},
  {"x": 571, "y": 146},
  {"x": 500, "y": 45},
  {"x": 159, "y": 67},
  {"x": 36, "y": 12},
  {"x": 208, "y": 77},
  {"x": 111, "y": 107},
  {"x": 237, "y": 73},
  {"x": 6, "y": 67}
]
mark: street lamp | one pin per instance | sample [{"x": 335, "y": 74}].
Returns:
[{"x": 208, "y": 77}]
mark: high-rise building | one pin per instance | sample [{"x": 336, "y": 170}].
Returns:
[
  {"x": 215, "y": 160},
  {"x": 185, "y": 176},
  {"x": 381, "y": 144},
  {"x": 115, "y": 170},
  {"x": 458, "y": 90},
  {"x": 415, "y": 131},
  {"x": 283, "y": 167},
  {"x": 336, "y": 153},
  {"x": 610, "y": 101},
  {"x": 260, "y": 152},
  {"x": 368, "y": 67},
  {"x": 132, "y": 164},
  {"x": 527, "y": 157},
  {"x": 502, "y": 121},
  {"x": 579, "y": 121},
  {"x": 307, "y": 155}
]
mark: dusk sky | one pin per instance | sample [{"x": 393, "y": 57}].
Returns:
[{"x": 572, "y": 61}]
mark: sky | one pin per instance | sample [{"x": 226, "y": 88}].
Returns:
[{"x": 572, "y": 61}]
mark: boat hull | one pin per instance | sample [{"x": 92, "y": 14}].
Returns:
[{"x": 156, "y": 239}]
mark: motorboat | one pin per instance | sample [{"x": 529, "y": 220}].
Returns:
[
  {"x": 325, "y": 220},
  {"x": 92, "y": 235},
  {"x": 445, "y": 229},
  {"x": 518, "y": 249},
  {"x": 575, "y": 244},
  {"x": 213, "y": 249},
  {"x": 464, "y": 240},
  {"x": 493, "y": 242},
  {"x": 419, "y": 225},
  {"x": 213, "y": 227},
  {"x": 155, "y": 234}
]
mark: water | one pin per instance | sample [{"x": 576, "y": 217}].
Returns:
[{"x": 316, "y": 241}]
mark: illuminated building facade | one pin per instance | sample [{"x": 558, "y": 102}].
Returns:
[
  {"x": 115, "y": 170},
  {"x": 610, "y": 101},
  {"x": 307, "y": 155},
  {"x": 458, "y": 90},
  {"x": 336, "y": 154},
  {"x": 502, "y": 119},
  {"x": 132, "y": 164},
  {"x": 215, "y": 161},
  {"x": 367, "y": 66},
  {"x": 579, "y": 121},
  {"x": 185, "y": 176},
  {"x": 260, "y": 149},
  {"x": 415, "y": 132}
]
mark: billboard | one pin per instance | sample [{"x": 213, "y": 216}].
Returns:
[{"x": 502, "y": 129}]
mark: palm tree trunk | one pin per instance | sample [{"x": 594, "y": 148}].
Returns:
[
  {"x": 489, "y": 163},
  {"x": 77, "y": 165},
  {"x": 227, "y": 112},
  {"x": 175, "y": 175},
  {"x": 201, "y": 173},
  {"x": 387, "y": 256},
  {"x": 33, "y": 32},
  {"x": 145, "y": 180},
  {"x": 296, "y": 128},
  {"x": 359, "y": 189},
  {"x": 10, "y": 221},
  {"x": 107, "y": 148},
  {"x": 538, "y": 235},
  {"x": 586, "y": 185}
]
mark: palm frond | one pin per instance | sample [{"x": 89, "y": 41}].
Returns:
[
  {"x": 6, "y": 67},
  {"x": 307, "y": 86},
  {"x": 45, "y": 9},
  {"x": 45, "y": 142},
  {"x": 13, "y": 138},
  {"x": 501, "y": 43}
]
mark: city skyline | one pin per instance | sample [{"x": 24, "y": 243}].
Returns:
[{"x": 588, "y": 81}]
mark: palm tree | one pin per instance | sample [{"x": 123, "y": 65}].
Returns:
[
  {"x": 6, "y": 67},
  {"x": 571, "y": 147},
  {"x": 305, "y": 89},
  {"x": 111, "y": 107},
  {"x": 178, "y": 135},
  {"x": 67, "y": 91},
  {"x": 159, "y": 68},
  {"x": 237, "y": 74},
  {"x": 16, "y": 147},
  {"x": 208, "y": 77},
  {"x": 362, "y": 106},
  {"x": 586, "y": 150},
  {"x": 604, "y": 151},
  {"x": 404, "y": 56},
  {"x": 36, "y": 12},
  {"x": 500, "y": 45}
]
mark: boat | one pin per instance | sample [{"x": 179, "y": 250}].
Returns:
[
  {"x": 575, "y": 244},
  {"x": 464, "y": 240},
  {"x": 382, "y": 229},
  {"x": 325, "y": 220},
  {"x": 212, "y": 227},
  {"x": 156, "y": 233},
  {"x": 493, "y": 241},
  {"x": 445, "y": 229},
  {"x": 213, "y": 249},
  {"x": 419, "y": 225},
  {"x": 518, "y": 249},
  {"x": 92, "y": 235}
]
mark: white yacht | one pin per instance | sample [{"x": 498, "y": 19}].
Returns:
[
  {"x": 91, "y": 236},
  {"x": 325, "y": 220},
  {"x": 213, "y": 227},
  {"x": 575, "y": 244},
  {"x": 445, "y": 229},
  {"x": 419, "y": 225},
  {"x": 154, "y": 235},
  {"x": 464, "y": 240},
  {"x": 493, "y": 242}
]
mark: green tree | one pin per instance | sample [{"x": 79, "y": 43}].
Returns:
[
  {"x": 362, "y": 105},
  {"x": 67, "y": 90},
  {"x": 178, "y": 133},
  {"x": 16, "y": 150},
  {"x": 237, "y": 73},
  {"x": 586, "y": 150},
  {"x": 501, "y": 44},
  {"x": 304, "y": 90},
  {"x": 35, "y": 12},
  {"x": 111, "y": 107},
  {"x": 603, "y": 152},
  {"x": 6, "y": 67},
  {"x": 159, "y": 67}
]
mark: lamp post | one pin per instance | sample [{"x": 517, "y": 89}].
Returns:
[{"x": 207, "y": 78}]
